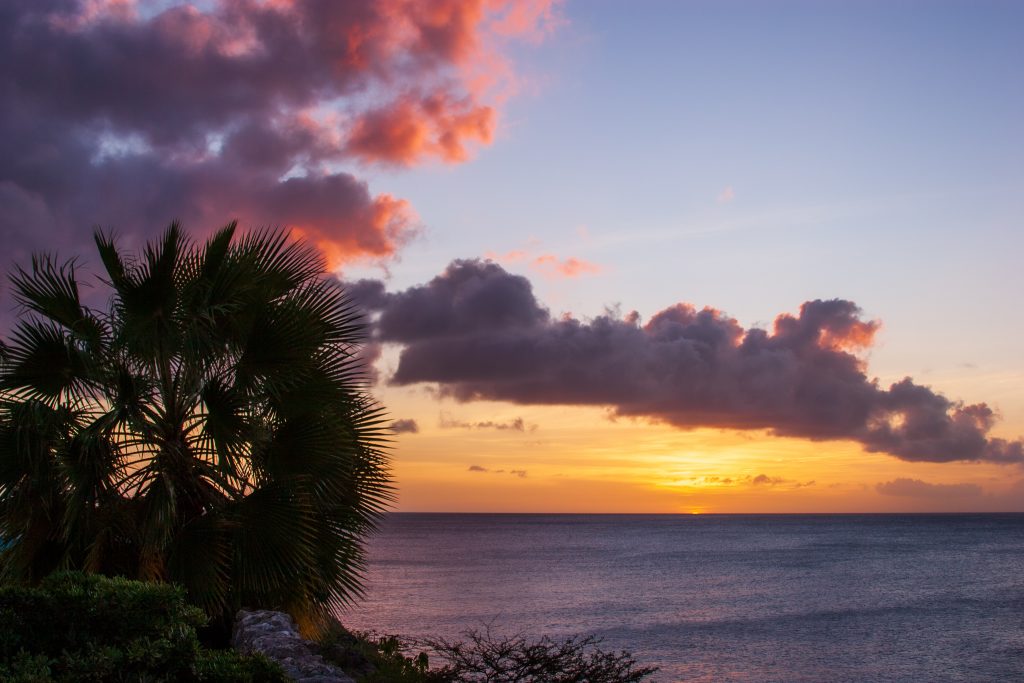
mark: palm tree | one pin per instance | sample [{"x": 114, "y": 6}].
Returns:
[{"x": 211, "y": 428}]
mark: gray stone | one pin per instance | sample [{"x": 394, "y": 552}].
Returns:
[{"x": 274, "y": 635}]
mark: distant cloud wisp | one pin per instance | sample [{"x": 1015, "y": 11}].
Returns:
[
  {"x": 548, "y": 264},
  {"x": 515, "y": 473},
  {"x": 760, "y": 480},
  {"x": 478, "y": 332},
  {"x": 515, "y": 425},
  {"x": 765, "y": 480},
  {"x": 916, "y": 488}
]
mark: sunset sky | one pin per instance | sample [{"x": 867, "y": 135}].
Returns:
[{"x": 650, "y": 256}]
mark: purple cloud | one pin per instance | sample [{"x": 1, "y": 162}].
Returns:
[
  {"x": 480, "y": 334},
  {"x": 118, "y": 115}
]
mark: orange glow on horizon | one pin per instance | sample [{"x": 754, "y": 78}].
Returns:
[{"x": 577, "y": 460}]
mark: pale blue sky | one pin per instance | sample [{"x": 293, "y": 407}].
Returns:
[{"x": 875, "y": 151}]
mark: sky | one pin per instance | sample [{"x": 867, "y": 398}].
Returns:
[{"x": 651, "y": 256}]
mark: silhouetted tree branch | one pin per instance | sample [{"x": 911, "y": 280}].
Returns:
[{"x": 484, "y": 657}]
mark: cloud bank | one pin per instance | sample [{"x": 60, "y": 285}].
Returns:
[
  {"x": 479, "y": 332},
  {"x": 122, "y": 116}
]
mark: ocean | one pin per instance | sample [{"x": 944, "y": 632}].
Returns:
[{"x": 753, "y": 598}]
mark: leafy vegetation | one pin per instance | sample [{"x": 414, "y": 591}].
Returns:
[
  {"x": 371, "y": 658},
  {"x": 210, "y": 427},
  {"x": 78, "y": 627}
]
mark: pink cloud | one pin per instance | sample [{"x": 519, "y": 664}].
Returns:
[
  {"x": 548, "y": 265},
  {"x": 532, "y": 19},
  {"x": 244, "y": 109},
  {"x": 408, "y": 130},
  {"x": 445, "y": 115}
]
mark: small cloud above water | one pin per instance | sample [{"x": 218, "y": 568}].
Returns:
[
  {"x": 514, "y": 425},
  {"x": 408, "y": 426},
  {"x": 480, "y": 468}
]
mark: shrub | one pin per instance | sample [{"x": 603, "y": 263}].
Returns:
[
  {"x": 482, "y": 657},
  {"x": 82, "y": 627},
  {"x": 487, "y": 658},
  {"x": 371, "y": 658}
]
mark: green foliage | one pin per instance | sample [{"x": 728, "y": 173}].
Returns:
[
  {"x": 227, "y": 666},
  {"x": 78, "y": 627},
  {"x": 211, "y": 427},
  {"x": 79, "y": 612},
  {"x": 376, "y": 659}
]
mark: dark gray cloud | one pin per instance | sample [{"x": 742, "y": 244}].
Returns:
[
  {"x": 915, "y": 488},
  {"x": 369, "y": 295},
  {"x": 407, "y": 426},
  {"x": 479, "y": 333},
  {"x": 471, "y": 298}
]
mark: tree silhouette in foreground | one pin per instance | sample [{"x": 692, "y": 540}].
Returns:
[
  {"x": 211, "y": 427},
  {"x": 484, "y": 657}
]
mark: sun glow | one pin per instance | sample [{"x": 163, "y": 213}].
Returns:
[{"x": 499, "y": 457}]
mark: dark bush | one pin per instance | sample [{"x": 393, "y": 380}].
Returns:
[
  {"x": 370, "y": 658},
  {"x": 482, "y": 657},
  {"x": 227, "y": 666},
  {"x": 85, "y": 627}
]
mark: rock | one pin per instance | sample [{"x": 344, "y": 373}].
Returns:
[{"x": 274, "y": 635}]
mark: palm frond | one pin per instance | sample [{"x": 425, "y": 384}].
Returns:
[
  {"x": 43, "y": 363},
  {"x": 52, "y": 291},
  {"x": 212, "y": 427}
]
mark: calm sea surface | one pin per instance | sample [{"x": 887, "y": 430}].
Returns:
[{"x": 909, "y": 598}]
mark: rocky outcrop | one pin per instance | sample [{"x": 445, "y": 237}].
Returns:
[{"x": 274, "y": 635}]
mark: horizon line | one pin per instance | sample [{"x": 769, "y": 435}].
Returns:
[{"x": 706, "y": 514}]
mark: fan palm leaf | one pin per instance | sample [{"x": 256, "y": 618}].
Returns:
[{"x": 210, "y": 427}]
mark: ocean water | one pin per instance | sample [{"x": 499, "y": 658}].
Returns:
[{"x": 789, "y": 598}]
